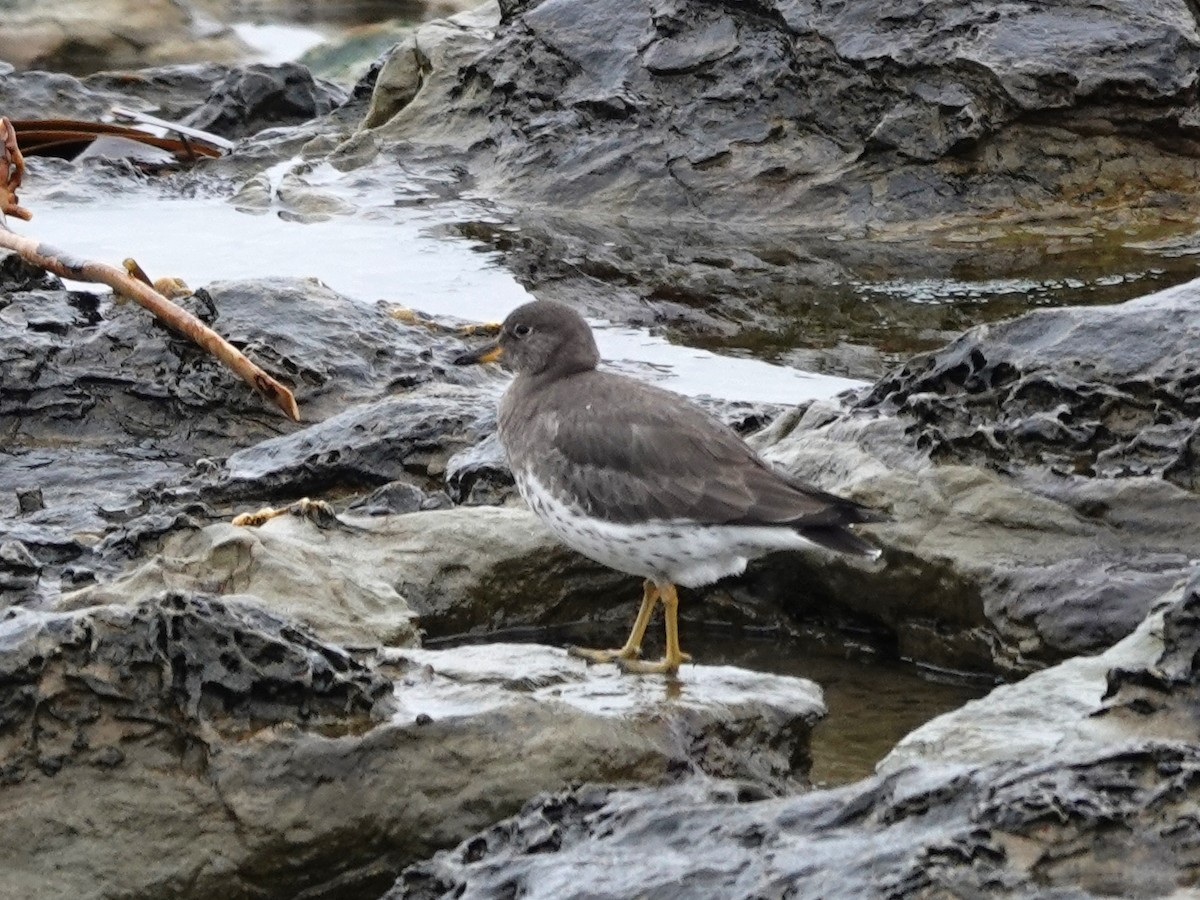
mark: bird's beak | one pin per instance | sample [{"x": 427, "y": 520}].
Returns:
[{"x": 486, "y": 354}]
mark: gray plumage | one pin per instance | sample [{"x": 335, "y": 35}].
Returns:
[
  {"x": 639, "y": 479},
  {"x": 625, "y": 452}
]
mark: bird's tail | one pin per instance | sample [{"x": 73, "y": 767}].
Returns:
[{"x": 835, "y": 537}]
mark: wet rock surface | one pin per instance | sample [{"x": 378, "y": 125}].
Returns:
[
  {"x": 1017, "y": 831},
  {"x": 1039, "y": 475},
  {"x": 1060, "y": 784},
  {"x": 747, "y": 136},
  {"x": 930, "y": 100},
  {"x": 122, "y": 426},
  {"x": 1110, "y": 392},
  {"x": 240, "y": 754}
]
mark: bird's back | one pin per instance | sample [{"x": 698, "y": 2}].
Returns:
[{"x": 624, "y": 451}]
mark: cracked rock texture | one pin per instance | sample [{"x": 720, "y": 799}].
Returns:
[
  {"x": 1041, "y": 478},
  {"x": 1072, "y": 783},
  {"x": 787, "y": 110},
  {"x": 190, "y": 746}
]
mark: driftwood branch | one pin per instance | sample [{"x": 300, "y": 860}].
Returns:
[{"x": 12, "y": 169}]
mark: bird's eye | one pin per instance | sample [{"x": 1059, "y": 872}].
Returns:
[{"x": 521, "y": 330}]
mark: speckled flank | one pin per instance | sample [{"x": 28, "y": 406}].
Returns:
[{"x": 665, "y": 551}]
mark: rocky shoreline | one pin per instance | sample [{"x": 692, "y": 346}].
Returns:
[{"x": 189, "y": 707}]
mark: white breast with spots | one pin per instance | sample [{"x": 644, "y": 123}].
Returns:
[{"x": 679, "y": 552}]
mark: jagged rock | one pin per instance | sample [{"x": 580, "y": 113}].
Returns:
[
  {"x": 1045, "y": 787},
  {"x": 854, "y": 117},
  {"x": 192, "y": 746},
  {"x": 260, "y": 96},
  {"x": 116, "y": 419},
  {"x": 1117, "y": 823},
  {"x": 1105, "y": 392},
  {"x": 1039, "y": 476},
  {"x": 415, "y": 433}
]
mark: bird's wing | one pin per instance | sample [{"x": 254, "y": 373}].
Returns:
[{"x": 632, "y": 451}]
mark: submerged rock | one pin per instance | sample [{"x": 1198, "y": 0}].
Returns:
[{"x": 192, "y": 746}]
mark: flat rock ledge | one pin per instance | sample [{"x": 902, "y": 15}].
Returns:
[{"x": 190, "y": 746}]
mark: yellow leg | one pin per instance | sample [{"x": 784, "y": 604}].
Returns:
[
  {"x": 633, "y": 646},
  {"x": 669, "y": 664}
]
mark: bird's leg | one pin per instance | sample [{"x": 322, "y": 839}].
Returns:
[
  {"x": 633, "y": 646},
  {"x": 669, "y": 664}
]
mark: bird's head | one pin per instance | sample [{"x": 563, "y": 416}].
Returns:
[{"x": 542, "y": 337}]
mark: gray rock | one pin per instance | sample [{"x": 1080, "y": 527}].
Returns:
[
  {"x": 1051, "y": 787},
  {"x": 1040, "y": 479},
  {"x": 852, "y": 117},
  {"x": 1022, "y": 831},
  {"x": 260, "y": 96},
  {"x": 122, "y": 424},
  {"x": 415, "y": 433},
  {"x": 768, "y": 148},
  {"x": 367, "y": 580},
  {"x": 1106, "y": 392},
  {"x": 192, "y": 746},
  {"x": 480, "y": 474}
]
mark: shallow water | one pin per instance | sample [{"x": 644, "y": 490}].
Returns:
[
  {"x": 399, "y": 259},
  {"x": 872, "y": 701}
]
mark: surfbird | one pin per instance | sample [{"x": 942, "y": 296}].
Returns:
[{"x": 639, "y": 479}]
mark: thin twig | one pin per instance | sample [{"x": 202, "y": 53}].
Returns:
[{"x": 12, "y": 169}]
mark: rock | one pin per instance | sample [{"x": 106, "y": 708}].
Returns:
[
  {"x": 112, "y": 34},
  {"x": 412, "y": 434},
  {"x": 762, "y": 721},
  {"x": 396, "y": 497},
  {"x": 480, "y": 474},
  {"x": 1039, "y": 477},
  {"x": 368, "y": 580},
  {"x": 1068, "y": 704},
  {"x": 57, "y": 345},
  {"x": 1105, "y": 392},
  {"x": 122, "y": 425},
  {"x": 294, "y": 769},
  {"x": 1019, "y": 832},
  {"x": 853, "y": 117},
  {"x": 50, "y": 95},
  {"x": 785, "y": 158},
  {"x": 307, "y": 576},
  {"x": 260, "y": 96},
  {"x": 1046, "y": 786},
  {"x": 168, "y": 92}
]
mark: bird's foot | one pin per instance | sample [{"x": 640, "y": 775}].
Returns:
[
  {"x": 665, "y": 666},
  {"x": 318, "y": 512},
  {"x": 604, "y": 656}
]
